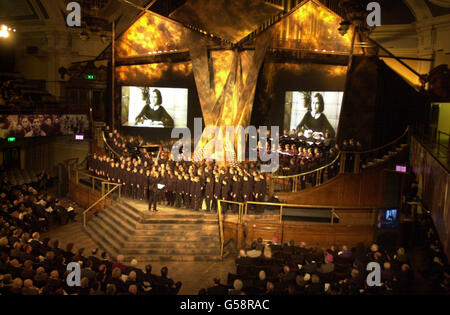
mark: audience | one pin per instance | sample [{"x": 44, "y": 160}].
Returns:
[{"x": 335, "y": 271}]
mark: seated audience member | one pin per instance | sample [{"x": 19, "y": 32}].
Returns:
[{"x": 217, "y": 288}]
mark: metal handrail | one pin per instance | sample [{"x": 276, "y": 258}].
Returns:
[
  {"x": 220, "y": 215},
  {"x": 309, "y": 172},
  {"x": 97, "y": 202},
  {"x": 288, "y": 205},
  {"x": 107, "y": 144},
  {"x": 379, "y": 148},
  {"x": 92, "y": 176},
  {"x": 443, "y": 132},
  {"x": 295, "y": 178}
]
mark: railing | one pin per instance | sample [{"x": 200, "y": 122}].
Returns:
[
  {"x": 91, "y": 208},
  {"x": 373, "y": 154},
  {"x": 107, "y": 188},
  {"x": 221, "y": 218},
  {"x": 107, "y": 144},
  {"x": 244, "y": 207},
  {"x": 286, "y": 205},
  {"x": 291, "y": 183},
  {"x": 439, "y": 144}
]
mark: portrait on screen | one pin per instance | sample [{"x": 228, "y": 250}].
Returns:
[
  {"x": 317, "y": 112},
  {"x": 154, "y": 107}
]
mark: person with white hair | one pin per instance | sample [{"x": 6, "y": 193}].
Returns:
[
  {"x": 316, "y": 287},
  {"x": 237, "y": 287},
  {"x": 139, "y": 274}
]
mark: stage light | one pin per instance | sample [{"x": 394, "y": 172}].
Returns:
[
  {"x": 4, "y": 31},
  {"x": 316, "y": 49}
]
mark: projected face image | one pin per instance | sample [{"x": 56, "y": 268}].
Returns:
[
  {"x": 154, "y": 107},
  {"x": 155, "y": 99},
  {"x": 313, "y": 114}
]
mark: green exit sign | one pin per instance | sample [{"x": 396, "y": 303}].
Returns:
[
  {"x": 90, "y": 76},
  {"x": 12, "y": 139}
]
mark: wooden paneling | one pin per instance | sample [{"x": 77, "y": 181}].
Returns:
[
  {"x": 312, "y": 234},
  {"x": 350, "y": 190},
  {"x": 85, "y": 196},
  {"x": 356, "y": 216}
]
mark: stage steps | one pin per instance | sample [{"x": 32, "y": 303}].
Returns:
[{"x": 161, "y": 236}]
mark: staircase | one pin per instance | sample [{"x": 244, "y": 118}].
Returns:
[
  {"x": 388, "y": 156},
  {"x": 122, "y": 229}
]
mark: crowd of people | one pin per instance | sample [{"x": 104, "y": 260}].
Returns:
[
  {"x": 300, "y": 153},
  {"x": 289, "y": 269},
  {"x": 31, "y": 207},
  {"x": 40, "y": 125},
  {"x": 11, "y": 97},
  {"x": 31, "y": 266},
  {"x": 185, "y": 183}
]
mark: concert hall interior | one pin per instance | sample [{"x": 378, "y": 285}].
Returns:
[{"x": 239, "y": 147}]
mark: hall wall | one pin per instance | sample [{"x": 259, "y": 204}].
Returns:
[
  {"x": 169, "y": 75},
  {"x": 276, "y": 78}
]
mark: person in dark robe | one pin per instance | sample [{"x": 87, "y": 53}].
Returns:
[
  {"x": 236, "y": 192},
  {"x": 155, "y": 112},
  {"x": 246, "y": 189},
  {"x": 146, "y": 184},
  {"x": 153, "y": 192},
  {"x": 217, "y": 193},
  {"x": 185, "y": 193},
  {"x": 179, "y": 191},
  {"x": 171, "y": 190},
  {"x": 209, "y": 193},
  {"x": 225, "y": 193},
  {"x": 140, "y": 184},
  {"x": 197, "y": 194}
]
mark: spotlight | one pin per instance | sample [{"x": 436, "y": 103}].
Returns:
[{"x": 4, "y": 33}]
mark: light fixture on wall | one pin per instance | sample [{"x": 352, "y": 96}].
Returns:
[{"x": 5, "y": 31}]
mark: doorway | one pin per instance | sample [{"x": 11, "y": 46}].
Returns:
[{"x": 11, "y": 158}]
